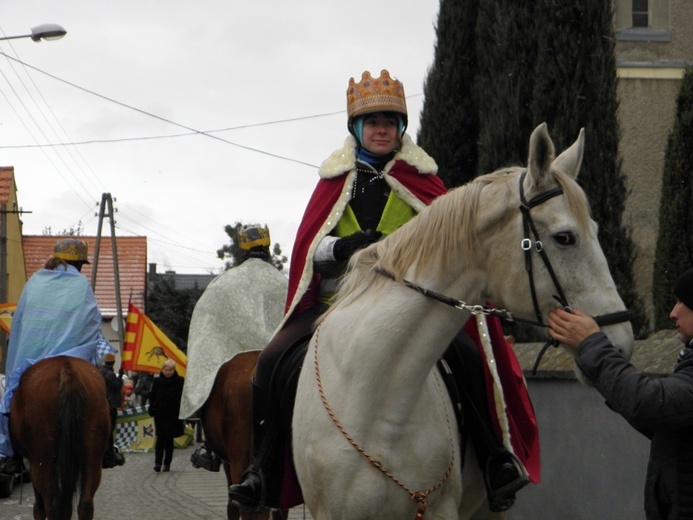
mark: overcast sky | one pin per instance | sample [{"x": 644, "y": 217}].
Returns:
[{"x": 133, "y": 83}]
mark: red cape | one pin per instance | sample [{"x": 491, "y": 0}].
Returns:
[
  {"x": 522, "y": 423},
  {"x": 424, "y": 187}
]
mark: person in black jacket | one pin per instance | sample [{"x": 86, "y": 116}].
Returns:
[
  {"x": 660, "y": 408},
  {"x": 143, "y": 387},
  {"x": 114, "y": 386},
  {"x": 164, "y": 403}
]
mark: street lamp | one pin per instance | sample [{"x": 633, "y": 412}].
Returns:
[{"x": 46, "y": 31}]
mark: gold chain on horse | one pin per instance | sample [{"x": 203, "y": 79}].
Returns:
[{"x": 421, "y": 497}]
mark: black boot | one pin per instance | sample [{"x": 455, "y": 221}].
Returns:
[
  {"x": 11, "y": 465},
  {"x": 251, "y": 492},
  {"x": 504, "y": 476}
]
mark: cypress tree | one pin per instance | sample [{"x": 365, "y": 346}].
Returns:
[
  {"x": 674, "y": 253},
  {"x": 501, "y": 67},
  {"x": 575, "y": 86},
  {"x": 504, "y": 81},
  {"x": 449, "y": 117}
]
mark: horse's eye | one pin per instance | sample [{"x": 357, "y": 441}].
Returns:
[{"x": 565, "y": 238}]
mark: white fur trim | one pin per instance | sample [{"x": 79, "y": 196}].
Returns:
[
  {"x": 344, "y": 159},
  {"x": 498, "y": 398},
  {"x": 335, "y": 214}
]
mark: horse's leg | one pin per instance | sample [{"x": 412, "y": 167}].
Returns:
[
  {"x": 235, "y": 422},
  {"x": 483, "y": 513},
  {"x": 85, "y": 509},
  {"x": 39, "y": 506},
  {"x": 90, "y": 483},
  {"x": 96, "y": 430}
]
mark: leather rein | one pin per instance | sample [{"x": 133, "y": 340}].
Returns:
[{"x": 527, "y": 245}]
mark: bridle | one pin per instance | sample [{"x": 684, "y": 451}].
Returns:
[{"x": 527, "y": 245}]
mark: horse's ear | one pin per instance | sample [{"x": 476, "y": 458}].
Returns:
[
  {"x": 541, "y": 155},
  {"x": 570, "y": 160}
]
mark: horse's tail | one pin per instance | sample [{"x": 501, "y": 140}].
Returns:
[{"x": 69, "y": 463}]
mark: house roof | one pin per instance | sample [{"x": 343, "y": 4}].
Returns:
[{"x": 132, "y": 268}]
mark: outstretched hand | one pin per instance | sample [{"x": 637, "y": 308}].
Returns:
[{"x": 571, "y": 329}]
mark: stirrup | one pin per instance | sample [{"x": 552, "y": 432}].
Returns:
[
  {"x": 206, "y": 460},
  {"x": 113, "y": 457}
]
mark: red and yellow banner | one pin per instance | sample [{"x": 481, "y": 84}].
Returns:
[
  {"x": 6, "y": 314},
  {"x": 147, "y": 347}
]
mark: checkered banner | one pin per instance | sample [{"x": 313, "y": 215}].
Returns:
[{"x": 135, "y": 430}]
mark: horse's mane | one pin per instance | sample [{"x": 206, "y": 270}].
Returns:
[{"x": 449, "y": 225}]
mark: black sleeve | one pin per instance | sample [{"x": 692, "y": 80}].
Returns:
[{"x": 647, "y": 403}]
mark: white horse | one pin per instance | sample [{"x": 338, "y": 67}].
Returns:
[{"x": 374, "y": 353}]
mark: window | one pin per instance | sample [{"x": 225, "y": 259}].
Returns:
[
  {"x": 642, "y": 20},
  {"x": 640, "y": 13}
]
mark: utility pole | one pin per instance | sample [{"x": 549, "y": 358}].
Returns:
[
  {"x": 106, "y": 210},
  {"x": 3, "y": 277}
]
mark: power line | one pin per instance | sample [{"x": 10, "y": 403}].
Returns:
[{"x": 160, "y": 118}]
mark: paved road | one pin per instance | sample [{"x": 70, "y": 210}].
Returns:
[{"x": 135, "y": 491}]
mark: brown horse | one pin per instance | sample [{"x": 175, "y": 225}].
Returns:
[
  {"x": 59, "y": 421},
  {"x": 226, "y": 420}
]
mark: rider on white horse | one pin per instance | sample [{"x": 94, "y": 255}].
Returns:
[{"x": 369, "y": 188}]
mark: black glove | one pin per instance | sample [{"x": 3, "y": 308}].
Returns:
[{"x": 347, "y": 246}]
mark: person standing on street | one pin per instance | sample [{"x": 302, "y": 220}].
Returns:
[
  {"x": 164, "y": 404},
  {"x": 114, "y": 386}
]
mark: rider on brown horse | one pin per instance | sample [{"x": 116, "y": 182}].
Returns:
[
  {"x": 57, "y": 314},
  {"x": 254, "y": 240}
]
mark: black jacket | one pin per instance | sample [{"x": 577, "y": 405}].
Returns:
[
  {"x": 661, "y": 409},
  {"x": 164, "y": 403},
  {"x": 143, "y": 387},
  {"x": 114, "y": 386}
]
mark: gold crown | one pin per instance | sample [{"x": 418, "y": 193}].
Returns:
[
  {"x": 375, "y": 95},
  {"x": 71, "y": 249},
  {"x": 252, "y": 236}
]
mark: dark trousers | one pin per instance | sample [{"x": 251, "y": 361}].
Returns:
[
  {"x": 114, "y": 416},
  {"x": 296, "y": 328},
  {"x": 163, "y": 450}
]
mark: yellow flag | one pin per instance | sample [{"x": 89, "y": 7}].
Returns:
[
  {"x": 146, "y": 347},
  {"x": 6, "y": 314}
]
